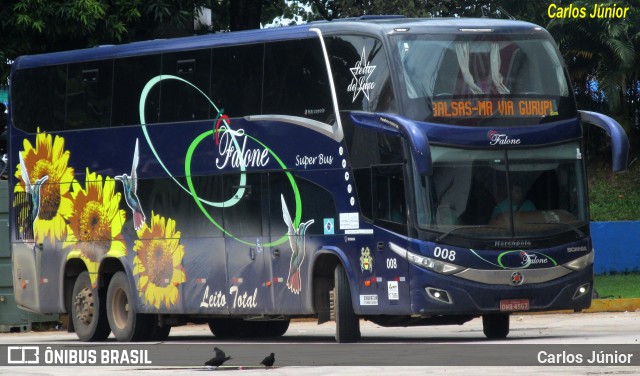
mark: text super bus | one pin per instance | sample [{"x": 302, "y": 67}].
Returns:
[{"x": 403, "y": 171}]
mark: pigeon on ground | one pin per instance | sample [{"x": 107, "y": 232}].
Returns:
[
  {"x": 217, "y": 360},
  {"x": 269, "y": 360}
]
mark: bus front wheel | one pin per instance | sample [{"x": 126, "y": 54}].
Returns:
[
  {"x": 126, "y": 324},
  {"x": 226, "y": 327},
  {"x": 495, "y": 326},
  {"x": 266, "y": 329},
  {"x": 88, "y": 312},
  {"x": 347, "y": 322}
]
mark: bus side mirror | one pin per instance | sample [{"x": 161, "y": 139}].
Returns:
[
  {"x": 619, "y": 140},
  {"x": 407, "y": 129}
]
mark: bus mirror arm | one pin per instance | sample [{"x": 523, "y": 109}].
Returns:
[
  {"x": 409, "y": 130},
  {"x": 619, "y": 140}
]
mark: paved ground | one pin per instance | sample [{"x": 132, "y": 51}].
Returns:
[{"x": 446, "y": 350}]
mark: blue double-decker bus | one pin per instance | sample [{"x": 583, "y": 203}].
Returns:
[{"x": 403, "y": 171}]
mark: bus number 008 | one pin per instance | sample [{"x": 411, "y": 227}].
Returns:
[
  {"x": 392, "y": 263},
  {"x": 444, "y": 253}
]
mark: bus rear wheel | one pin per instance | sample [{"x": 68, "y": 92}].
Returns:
[
  {"x": 125, "y": 323},
  {"x": 88, "y": 312},
  {"x": 347, "y": 322},
  {"x": 495, "y": 326},
  {"x": 157, "y": 332}
]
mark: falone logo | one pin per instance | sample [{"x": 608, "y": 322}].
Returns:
[
  {"x": 506, "y": 260},
  {"x": 496, "y": 138},
  {"x": 519, "y": 259}
]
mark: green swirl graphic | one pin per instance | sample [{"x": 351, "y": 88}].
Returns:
[{"x": 235, "y": 198}]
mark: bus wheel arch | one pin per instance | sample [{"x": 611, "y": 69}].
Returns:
[
  {"x": 72, "y": 270},
  {"x": 333, "y": 296},
  {"x": 126, "y": 323},
  {"x": 323, "y": 283},
  {"x": 86, "y": 307},
  {"x": 152, "y": 326}
]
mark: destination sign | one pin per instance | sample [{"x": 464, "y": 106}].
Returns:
[{"x": 498, "y": 107}]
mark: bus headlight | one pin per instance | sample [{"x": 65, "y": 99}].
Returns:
[
  {"x": 581, "y": 262},
  {"x": 426, "y": 262}
]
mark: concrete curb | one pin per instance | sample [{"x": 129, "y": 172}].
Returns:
[
  {"x": 614, "y": 305},
  {"x": 600, "y": 305}
]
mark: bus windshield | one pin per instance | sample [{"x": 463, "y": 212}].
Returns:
[
  {"x": 483, "y": 80},
  {"x": 488, "y": 194}
]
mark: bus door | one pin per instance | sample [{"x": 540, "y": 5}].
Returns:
[
  {"x": 388, "y": 272},
  {"x": 26, "y": 257},
  {"x": 34, "y": 260},
  {"x": 243, "y": 223},
  {"x": 286, "y": 257}
]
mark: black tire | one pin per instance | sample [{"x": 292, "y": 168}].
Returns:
[
  {"x": 157, "y": 332},
  {"x": 125, "y": 323},
  {"x": 88, "y": 311},
  {"x": 347, "y": 322},
  {"x": 227, "y": 328},
  {"x": 265, "y": 329},
  {"x": 495, "y": 326}
]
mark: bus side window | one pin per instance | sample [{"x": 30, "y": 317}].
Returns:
[
  {"x": 388, "y": 194},
  {"x": 296, "y": 81},
  {"x": 236, "y": 80},
  {"x": 88, "y": 97},
  {"x": 317, "y": 204},
  {"x": 130, "y": 77},
  {"x": 38, "y": 101},
  {"x": 180, "y": 101},
  {"x": 370, "y": 91},
  {"x": 377, "y": 160}
]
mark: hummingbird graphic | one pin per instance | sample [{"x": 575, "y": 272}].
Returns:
[
  {"x": 298, "y": 244},
  {"x": 32, "y": 189},
  {"x": 130, "y": 184}
]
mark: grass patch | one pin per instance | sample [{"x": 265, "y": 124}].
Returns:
[
  {"x": 617, "y": 286},
  {"x": 614, "y": 197}
]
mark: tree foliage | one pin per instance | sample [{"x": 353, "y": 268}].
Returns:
[
  {"x": 602, "y": 54},
  {"x": 38, "y": 26}
]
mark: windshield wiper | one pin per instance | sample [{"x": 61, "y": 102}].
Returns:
[
  {"x": 439, "y": 238},
  {"x": 574, "y": 228}
]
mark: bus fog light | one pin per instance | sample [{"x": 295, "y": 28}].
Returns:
[
  {"x": 439, "y": 295},
  {"x": 582, "y": 290}
]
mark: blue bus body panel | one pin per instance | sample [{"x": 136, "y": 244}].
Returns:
[{"x": 230, "y": 220}]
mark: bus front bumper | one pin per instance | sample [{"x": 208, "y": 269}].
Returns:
[{"x": 436, "y": 294}]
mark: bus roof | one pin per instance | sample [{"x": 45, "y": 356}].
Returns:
[{"x": 374, "y": 25}]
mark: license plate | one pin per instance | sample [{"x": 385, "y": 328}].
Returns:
[{"x": 512, "y": 305}]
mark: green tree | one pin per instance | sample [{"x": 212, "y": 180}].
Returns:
[
  {"x": 601, "y": 50},
  {"x": 36, "y": 26}
]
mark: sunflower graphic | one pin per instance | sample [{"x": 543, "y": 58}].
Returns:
[
  {"x": 96, "y": 223},
  {"x": 48, "y": 158},
  {"x": 158, "y": 262}
]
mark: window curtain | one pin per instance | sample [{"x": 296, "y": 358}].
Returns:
[{"x": 462, "y": 52}]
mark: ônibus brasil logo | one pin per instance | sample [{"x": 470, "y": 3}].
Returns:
[{"x": 496, "y": 138}]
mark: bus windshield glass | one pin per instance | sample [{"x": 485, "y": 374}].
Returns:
[
  {"x": 488, "y": 194},
  {"x": 483, "y": 80}
]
